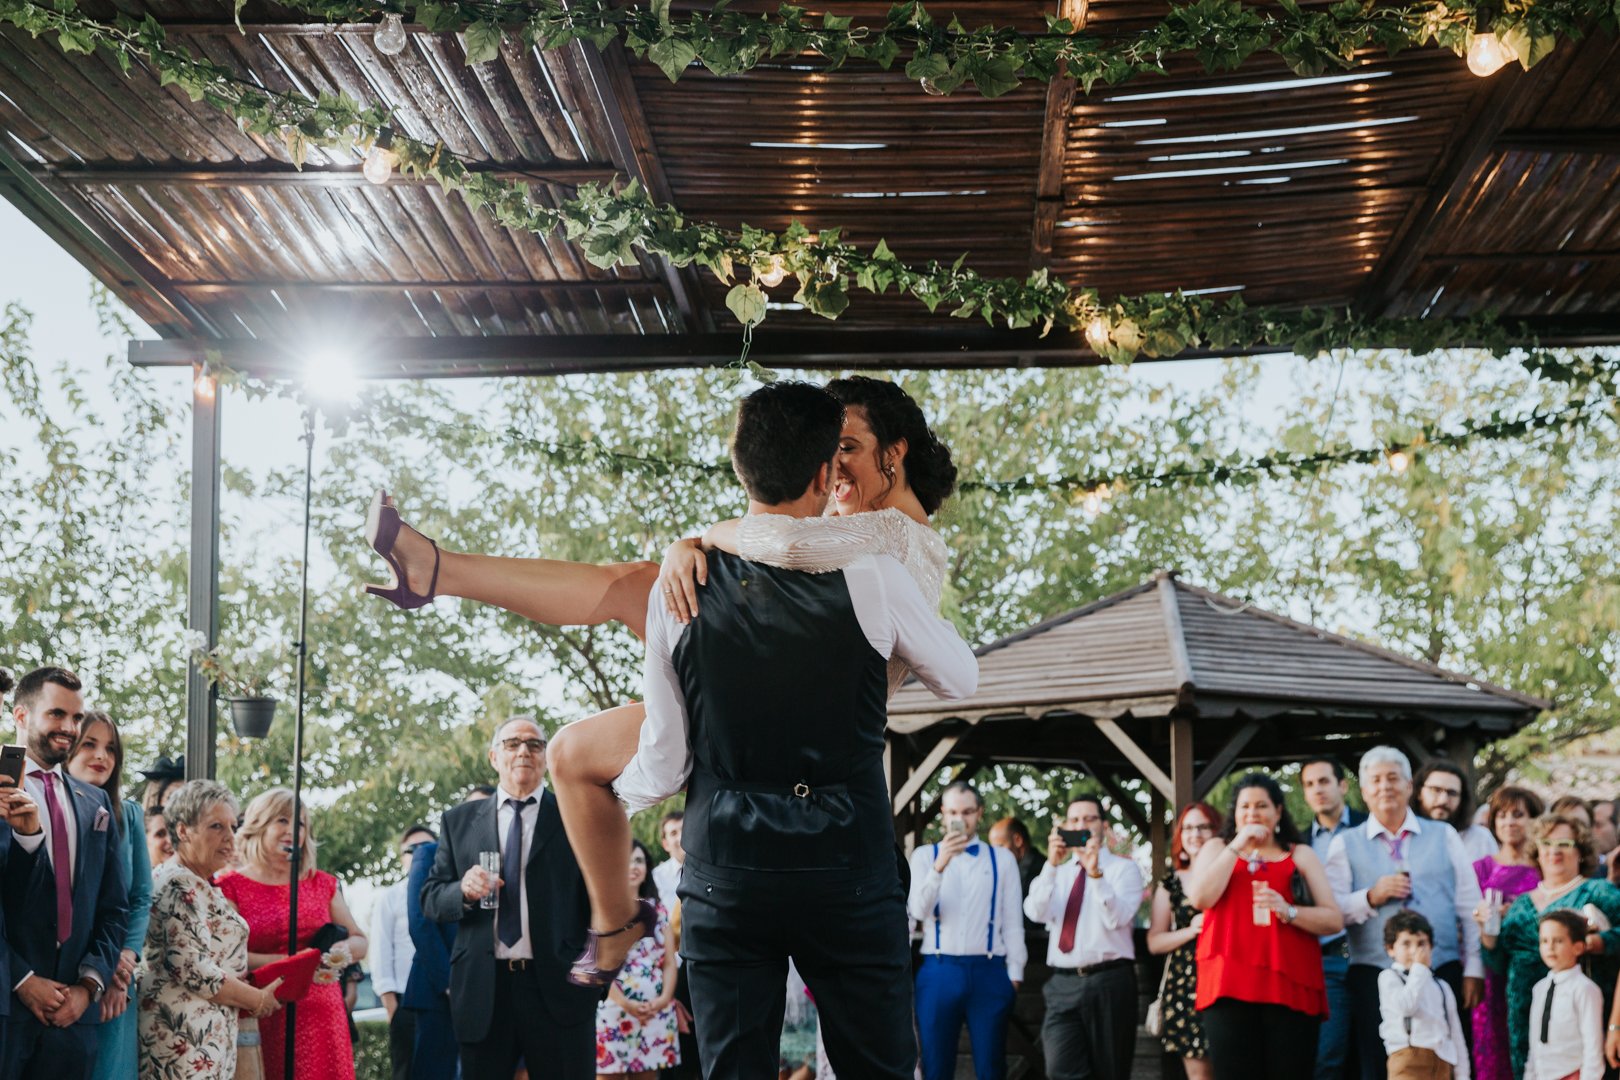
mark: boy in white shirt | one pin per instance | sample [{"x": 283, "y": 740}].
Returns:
[
  {"x": 1421, "y": 1028},
  {"x": 1566, "y": 1007}
]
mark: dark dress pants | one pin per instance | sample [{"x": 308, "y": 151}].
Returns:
[
  {"x": 401, "y": 1042},
  {"x": 1252, "y": 1041},
  {"x": 523, "y": 1027},
  {"x": 1090, "y": 1028},
  {"x": 33, "y": 1051},
  {"x": 846, "y": 934},
  {"x": 434, "y": 1053},
  {"x": 1366, "y": 1014}
]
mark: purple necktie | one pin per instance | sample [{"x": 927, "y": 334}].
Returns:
[{"x": 61, "y": 861}]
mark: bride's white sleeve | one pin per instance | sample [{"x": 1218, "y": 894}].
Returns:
[{"x": 820, "y": 545}]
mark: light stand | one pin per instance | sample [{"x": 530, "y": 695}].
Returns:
[{"x": 289, "y": 1046}]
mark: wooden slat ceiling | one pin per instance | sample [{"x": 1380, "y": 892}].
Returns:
[
  {"x": 1407, "y": 186},
  {"x": 1124, "y": 649}
]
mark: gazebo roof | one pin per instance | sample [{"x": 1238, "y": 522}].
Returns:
[
  {"x": 1168, "y": 648},
  {"x": 1405, "y": 186}
]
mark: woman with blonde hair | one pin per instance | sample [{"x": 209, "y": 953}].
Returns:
[{"x": 261, "y": 889}]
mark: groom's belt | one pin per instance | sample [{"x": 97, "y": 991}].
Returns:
[{"x": 799, "y": 790}]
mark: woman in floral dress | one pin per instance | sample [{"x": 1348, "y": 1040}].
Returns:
[
  {"x": 635, "y": 1026},
  {"x": 1174, "y": 930},
  {"x": 196, "y": 949},
  {"x": 1513, "y": 870}
]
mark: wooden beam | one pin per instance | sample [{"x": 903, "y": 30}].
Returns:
[
  {"x": 1472, "y": 145},
  {"x": 272, "y": 174},
  {"x": 1049, "y": 200},
  {"x": 925, "y": 770},
  {"x": 1175, "y": 637},
  {"x": 965, "y": 771},
  {"x": 1449, "y": 257},
  {"x": 303, "y": 285},
  {"x": 1181, "y": 761},
  {"x": 1136, "y": 756},
  {"x": 1560, "y": 140},
  {"x": 1414, "y": 747},
  {"x": 1158, "y": 835},
  {"x": 1224, "y": 758}
]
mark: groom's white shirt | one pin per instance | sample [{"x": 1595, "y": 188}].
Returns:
[{"x": 893, "y": 615}]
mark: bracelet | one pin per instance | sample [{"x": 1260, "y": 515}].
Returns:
[{"x": 1614, "y": 1027}]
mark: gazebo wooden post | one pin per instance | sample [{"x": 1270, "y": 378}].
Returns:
[{"x": 1158, "y": 833}]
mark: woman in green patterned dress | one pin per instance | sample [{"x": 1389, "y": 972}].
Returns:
[
  {"x": 1174, "y": 930},
  {"x": 1563, "y": 849}
]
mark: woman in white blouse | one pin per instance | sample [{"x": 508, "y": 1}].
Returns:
[{"x": 892, "y": 474}]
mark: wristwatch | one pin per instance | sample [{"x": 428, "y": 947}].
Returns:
[
  {"x": 93, "y": 988},
  {"x": 1290, "y": 913}
]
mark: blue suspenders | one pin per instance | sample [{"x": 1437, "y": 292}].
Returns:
[{"x": 995, "y": 885}]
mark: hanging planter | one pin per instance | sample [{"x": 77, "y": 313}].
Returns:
[{"x": 252, "y": 716}]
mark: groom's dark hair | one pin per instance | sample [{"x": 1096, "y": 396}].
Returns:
[{"x": 785, "y": 432}]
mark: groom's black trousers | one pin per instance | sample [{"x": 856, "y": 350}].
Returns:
[{"x": 846, "y": 933}]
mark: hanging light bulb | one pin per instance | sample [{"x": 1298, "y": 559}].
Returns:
[
  {"x": 1487, "y": 55},
  {"x": 930, "y": 87},
  {"x": 1097, "y": 333},
  {"x": 203, "y": 386},
  {"x": 1398, "y": 460},
  {"x": 380, "y": 162},
  {"x": 774, "y": 274},
  {"x": 1092, "y": 503},
  {"x": 390, "y": 36}
]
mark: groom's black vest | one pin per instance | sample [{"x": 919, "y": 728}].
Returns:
[{"x": 786, "y": 704}]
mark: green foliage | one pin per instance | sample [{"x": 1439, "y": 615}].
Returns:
[{"x": 371, "y": 1052}]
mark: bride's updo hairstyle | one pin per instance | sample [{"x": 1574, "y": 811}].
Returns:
[{"x": 893, "y": 415}]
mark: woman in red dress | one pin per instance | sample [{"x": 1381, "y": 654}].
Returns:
[
  {"x": 1266, "y": 901},
  {"x": 260, "y": 891}
]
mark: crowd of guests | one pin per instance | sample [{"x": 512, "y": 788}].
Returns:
[{"x": 1407, "y": 940}]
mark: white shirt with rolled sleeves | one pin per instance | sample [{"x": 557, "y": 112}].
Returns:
[
  {"x": 391, "y": 948},
  {"x": 1575, "y": 1035},
  {"x": 893, "y": 616},
  {"x": 1358, "y": 909},
  {"x": 963, "y": 896},
  {"x": 1107, "y": 912},
  {"x": 1418, "y": 1010}
]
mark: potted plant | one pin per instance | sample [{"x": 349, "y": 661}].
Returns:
[{"x": 243, "y": 676}]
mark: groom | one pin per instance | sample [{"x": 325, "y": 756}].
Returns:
[{"x": 775, "y": 702}]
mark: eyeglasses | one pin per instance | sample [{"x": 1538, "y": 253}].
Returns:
[
  {"x": 1442, "y": 793},
  {"x": 1559, "y": 845},
  {"x": 534, "y": 746},
  {"x": 1190, "y": 827}
]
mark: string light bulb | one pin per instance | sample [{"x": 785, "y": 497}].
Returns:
[
  {"x": 775, "y": 272},
  {"x": 1487, "y": 55},
  {"x": 930, "y": 87},
  {"x": 203, "y": 386},
  {"x": 1398, "y": 460},
  {"x": 390, "y": 36},
  {"x": 380, "y": 162},
  {"x": 1097, "y": 333}
]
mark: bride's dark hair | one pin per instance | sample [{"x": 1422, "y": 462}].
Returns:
[
  {"x": 893, "y": 416},
  {"x": 6, "y": 681}
]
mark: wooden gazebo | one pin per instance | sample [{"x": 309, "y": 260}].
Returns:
[{"x": 1179, "y": 686}]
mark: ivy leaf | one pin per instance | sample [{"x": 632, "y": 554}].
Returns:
[
  {"x": 483, "y": 42},
  {"x": 1529, "y": 49},
  {"x": 994, "y": 77},
  {"x": 672, "y": 55},
  {"x": 660, "y": 8},
  {"x": 824, "y": 297},
  {"x": 747, "y": 302},
  {"x": 927, "y": 66},
  {"x": 73, "y": 39}
]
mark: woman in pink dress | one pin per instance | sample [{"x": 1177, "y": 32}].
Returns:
[
  {"x": 1514, "y": 871},
  {"x": 260, "y": 891}
]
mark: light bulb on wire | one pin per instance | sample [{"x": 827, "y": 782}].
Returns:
[
  {"x": 204, "y": 386},
  {"x": 1097, "y": 333},
  {"x": 1398, "y": 460},
  {"x": 775, "y": 272},
  {"x": 1487, "y": 55},
  {"x": 930, "y": 87},
  {"x": 390, "y": 36},
  {"x": 380, "y": 162}
]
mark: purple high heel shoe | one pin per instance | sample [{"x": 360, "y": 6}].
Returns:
[
  {"x": 382, "y": 529},
  {"x": 585, "y": 971}
]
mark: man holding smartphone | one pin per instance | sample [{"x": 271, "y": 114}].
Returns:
[
  {"x": 967, "y": 896},
  {"x": 1087, "y": 897}
]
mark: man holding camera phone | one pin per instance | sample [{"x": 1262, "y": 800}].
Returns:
[
  {"x": 967, "y": 896},
  {"x": 1087, "y": 897}
]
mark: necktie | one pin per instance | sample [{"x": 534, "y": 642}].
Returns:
[
  {"x": 1071, "y": 912},
  {"x": 508, "y": 915},
  {"x": 61, "y": 861},
  {"x": 1546, "y": 1012}
]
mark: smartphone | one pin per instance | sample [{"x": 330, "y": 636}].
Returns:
[
  {"x": 1075, "y": 837},
  {"x": 11, "y": 763},
  {"x": 955, "y": 827}
]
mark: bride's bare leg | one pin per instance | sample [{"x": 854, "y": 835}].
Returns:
[
  {"x": 585, "y": 757},
  {"x": 545, "y": 590}
]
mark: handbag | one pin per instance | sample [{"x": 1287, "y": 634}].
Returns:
[{"x": 1154, "y": 1021}]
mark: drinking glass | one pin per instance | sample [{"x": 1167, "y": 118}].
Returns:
[
  {"x": 490, "y": 863},
  {"x": 1262, "y": 914}
]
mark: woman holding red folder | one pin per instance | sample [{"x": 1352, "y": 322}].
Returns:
[{"x": 192, "y": 972}]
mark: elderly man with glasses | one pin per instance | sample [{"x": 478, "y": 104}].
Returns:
[
  {"x": 509, "y": 989},
  {"x": 1396, "y": 861}
]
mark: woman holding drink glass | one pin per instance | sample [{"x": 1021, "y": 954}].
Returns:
[
  {"x": 1266, "y": 901},
  {"x": 1503, "y": 878}
]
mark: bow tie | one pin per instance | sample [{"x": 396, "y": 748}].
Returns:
[{"x": 971, "y": 849}]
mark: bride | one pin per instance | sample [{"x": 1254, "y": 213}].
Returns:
[{"x": 892, "y": 474}]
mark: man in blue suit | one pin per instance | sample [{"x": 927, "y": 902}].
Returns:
[
  {"x": 1326, "y": 786},
  {"x": 65, "y": 917}
]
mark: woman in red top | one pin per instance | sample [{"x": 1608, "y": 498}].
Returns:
[{"x": 1260, "y": 991}]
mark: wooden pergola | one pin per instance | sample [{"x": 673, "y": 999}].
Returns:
[
  {"x": 1178, "y": 686},
  {"x": 1403, "y": 186}
]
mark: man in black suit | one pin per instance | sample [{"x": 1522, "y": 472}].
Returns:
[
  {"x": 509, "y": 991},
  {"x": 65, "y": 917},
  {"x": 778, "y": 694}
]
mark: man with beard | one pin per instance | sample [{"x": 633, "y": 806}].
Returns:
[
  {"x": 65, "y": 916},
  {"x": 1442, "y": 794}
]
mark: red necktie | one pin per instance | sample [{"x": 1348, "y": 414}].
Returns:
[
  {"x": 61, "y": 861},
  {"x": 1071, "y": 912}
]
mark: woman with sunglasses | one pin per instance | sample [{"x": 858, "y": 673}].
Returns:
[{"x": 1563, "y": 850}]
